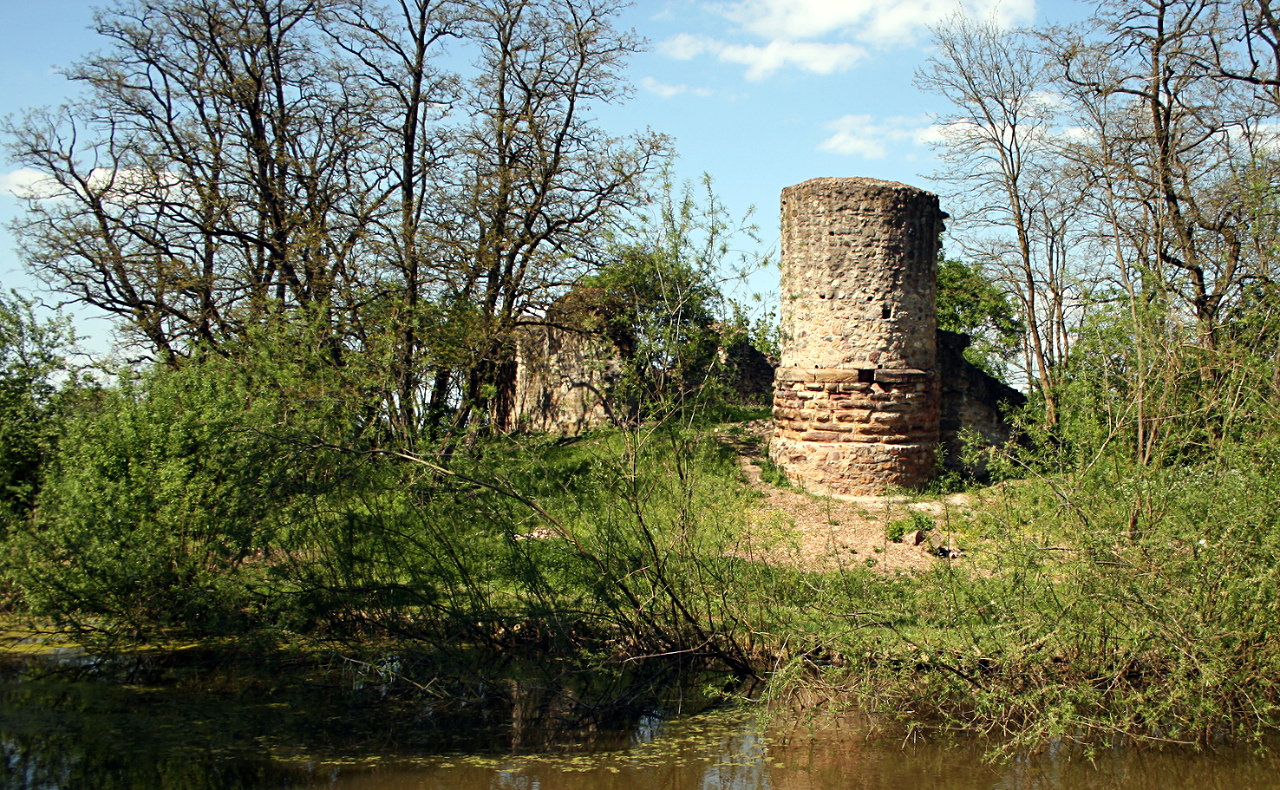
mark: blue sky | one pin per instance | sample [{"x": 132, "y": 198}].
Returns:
[{"x": 760, "y": 94}]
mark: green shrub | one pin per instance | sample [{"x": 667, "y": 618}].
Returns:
[{"x": 898, "y": 528}]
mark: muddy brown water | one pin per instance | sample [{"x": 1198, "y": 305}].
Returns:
[
  {"x": 61, "y": 731},
  {"x": 732, "y": 753}
]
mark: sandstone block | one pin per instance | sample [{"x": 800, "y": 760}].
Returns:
[
  {"x": 901, "y": 376},
  {"x": 820, "y": 436}
]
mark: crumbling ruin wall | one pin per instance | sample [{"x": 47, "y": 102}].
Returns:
[
  {"x": 563, "y": 380},
  {"x": 972, "y": 400},
  {"x": 868, "y": 388},
  {"x": 567, "y": 379},
  {"x": 857, "y": 397}
]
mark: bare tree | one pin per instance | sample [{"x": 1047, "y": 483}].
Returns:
[
  {"x": 214, "y": 174},
  {"x": 393, "y": 46},
  {"x": 1013, "y": 213},
  {"x": 1174, "y": 148},
  {"x": 236, "y": 163},
  {"x": 538, "y": 182},
  {"x": 1178, "y": 175}
]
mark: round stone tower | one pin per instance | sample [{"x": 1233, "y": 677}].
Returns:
[{"x": 856, "y": 398}]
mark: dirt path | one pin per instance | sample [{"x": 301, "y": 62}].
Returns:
[{"x": 795, "y": 528}]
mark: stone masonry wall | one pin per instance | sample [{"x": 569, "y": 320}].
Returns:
[
  {"x": 973, "y": 400},
  {"x": 563, "y": 380},
  {"x": 856, "y": 398}
]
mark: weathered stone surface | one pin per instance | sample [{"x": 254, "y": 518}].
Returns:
[
  {"x": 971, "y": 399},
  {"x": 562, "y": 380},
  {"x": 569, "y": 364},
  {"x": 858, "y": 282},
  {"x": 850, "y": 468},
  {"x": 868, "y": 387},
  {"x": 900, "y": 376},
  {"x": 859, "y": 260}
]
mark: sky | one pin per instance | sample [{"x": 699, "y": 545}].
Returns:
[{"x": 758, "y": 94}]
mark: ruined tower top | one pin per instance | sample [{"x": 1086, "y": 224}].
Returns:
[{"x": 859, "y": 274}]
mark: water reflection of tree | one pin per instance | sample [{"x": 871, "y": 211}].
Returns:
[
  {"x": 741, "y": 766},
  {"x": 66, "y": 736}
]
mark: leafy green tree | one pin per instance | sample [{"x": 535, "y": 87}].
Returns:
[
  {"x": 661, "y": 301},
  {"x": 660, "y": 313},
  {"x": 32, "y": 356},
  {"x": 178, "y": 498},
  {"x": 969, "y": 303}
]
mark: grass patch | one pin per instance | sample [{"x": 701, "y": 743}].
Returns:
[
  {"x": 898, "y": 528},
  {"x": 773, "y": 474}
]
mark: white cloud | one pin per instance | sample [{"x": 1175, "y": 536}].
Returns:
[
  {"x": 871, "y": 21},
  {"x": 1267, "y": 137},
  {"x": 799, "y": 33},
  {"x": 670, "y": 91},
  {"x": 1051, "y": 101},
  {"x": 933, "y": 134},
  {"x": 25, "y": 183},
  {"x": 762, "y": 61},
  {"x": 811, "y": 56},
  {"x": 687, "y": 47},
  {"x": 1077, "y": 134},
  {"x": 127, "y": 186},
  {"x": 966, "y": 131},
  {"x": 870, "y": 138}
]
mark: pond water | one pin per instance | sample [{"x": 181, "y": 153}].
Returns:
[
  {"x": 65, "y": 732},
  {"x": 713, "y": 752}
]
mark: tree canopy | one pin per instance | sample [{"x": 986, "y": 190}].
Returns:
[{"x": 234, "y": 165}]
